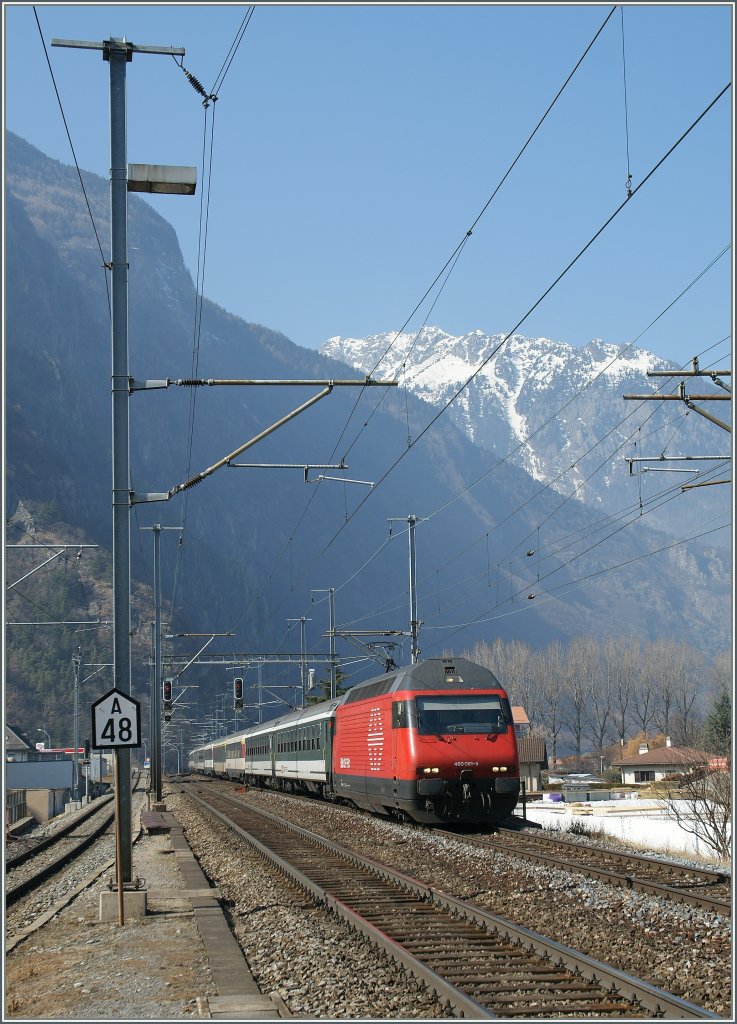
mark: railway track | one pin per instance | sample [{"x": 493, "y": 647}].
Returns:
[
  {"x": 32, "y": 847},
  {"x": 481, "y": 964},
  {"x": 37, "y": 863},
  {"x": 697, "y": 887}
]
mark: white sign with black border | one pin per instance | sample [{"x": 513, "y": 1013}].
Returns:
[{"x": 116, "y": 721}]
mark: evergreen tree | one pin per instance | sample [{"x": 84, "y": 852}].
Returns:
[
  {"x": 718, "y": 726},
  {"x": 322, "y": 688}
]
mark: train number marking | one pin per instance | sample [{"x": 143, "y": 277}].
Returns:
[
  {"x": 465, "y": 764},
  {"x": 345, "y": 762}
]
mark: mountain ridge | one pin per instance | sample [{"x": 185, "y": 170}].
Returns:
[
  {"x": 244, "y": 565},
  {"x": 549, "y": 406}
]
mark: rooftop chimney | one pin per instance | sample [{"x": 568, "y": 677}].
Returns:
[
  {"x": 643, "y": 748},
  {"x": 668, "y": 742}
]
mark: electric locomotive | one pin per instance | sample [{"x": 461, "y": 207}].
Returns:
[{"x": 433, "y": 742}]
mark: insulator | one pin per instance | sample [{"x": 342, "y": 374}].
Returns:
[
  {"x": 196, "y": 84},
  {"x": 191, "y": 483}
]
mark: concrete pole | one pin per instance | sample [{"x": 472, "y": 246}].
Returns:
[
  {"x": 302, "y": 663},
  {"x": 117, "y": 55},
  {"x": 155, "y": 708},
  {"x": 76, "y": 662},
  {"x": 260, "y": 695},
  {"x": 414, "y": 624},
  {"x": 151, "y": 721},
  {"x": 333, "y": 674}
]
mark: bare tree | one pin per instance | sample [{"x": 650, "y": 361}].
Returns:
[
  {"x": 721, "y": 672},
  {"x": 548, "y": 667},
  {"x": 644, "y": 695},
  {"x": 600, "y": 711},
  {"x": 622, "y": 658},
  {"x": 661, "y": 667},
  {"x": 700, "y": 800},
  {"x": 688, "y": 695},
  {"x": 583, "y": 674},
  {"x": 678, "y": 675},
  {"x": 510, "y": 662}
]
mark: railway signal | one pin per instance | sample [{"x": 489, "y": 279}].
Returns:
[
  {"x": 237, "y": 693},
  {"x": 166, "y": 694}
]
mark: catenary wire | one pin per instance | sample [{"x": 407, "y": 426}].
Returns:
[
  {"x": 76, "y": 164},
  {"x": 680, "y": 295},
  {"x": 629, "y": 519},
  {"x": 455, "y": 255},
  {"x": 218, "y": 84},
  {"x": 450, "y": 263},
  {"x": 557, "y": 546},
  {"x": 624, "y": 419},
  {"x": 538, "y": 301},
  {"x": 575, "y": 584},
  {"x": 197, "y": 333},
  {"x": 626, "y": 115}
]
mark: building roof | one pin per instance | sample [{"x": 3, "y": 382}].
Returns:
[
  {"x": 519, "y": 715},
  {"x": 532, "y": 750},
  {"x": 668, "y": 756},
  {"x": 16, "y": 739}
]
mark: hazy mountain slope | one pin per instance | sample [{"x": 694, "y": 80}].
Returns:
[{"x": 252, "y": 552}]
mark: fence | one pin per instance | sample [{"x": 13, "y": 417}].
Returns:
[{"x": 15, "y": 806}]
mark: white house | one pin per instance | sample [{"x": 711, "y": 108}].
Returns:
[{"x": 653, "y": 765}]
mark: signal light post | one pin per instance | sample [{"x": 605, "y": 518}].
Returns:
[{"x": 238, "y": 694}]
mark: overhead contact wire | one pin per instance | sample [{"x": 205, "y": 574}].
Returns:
[
  {"x": 455, "y": 255},
  {"x": 450, "y": 263},
  {"x": 76, "y": 164},
  {"x": 547, "y": 291}
]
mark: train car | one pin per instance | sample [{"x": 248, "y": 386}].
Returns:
[
  {"x": 433, "y": 742},
  {"x": 201, "y": 760},
  {"x": 291, "y": 753},
  {"x": 301, "y": 749}
]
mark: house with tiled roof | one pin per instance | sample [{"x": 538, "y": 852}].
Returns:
[
  {"x": 653, "y": 765},
  {"x": 17, "y": 745},
  {"x": 533, "y": 755},
  {"x": 533, "y": 760}
]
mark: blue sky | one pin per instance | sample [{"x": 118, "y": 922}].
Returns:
[{"x": 354, "y": 145}]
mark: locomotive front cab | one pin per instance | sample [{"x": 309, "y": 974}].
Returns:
[{"x": 458, "y": 758}]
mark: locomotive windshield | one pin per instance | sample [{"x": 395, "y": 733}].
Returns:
[{"x": 467, "y": 714}]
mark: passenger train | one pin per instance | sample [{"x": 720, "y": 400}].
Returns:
[{"x": 432, "y": 742}]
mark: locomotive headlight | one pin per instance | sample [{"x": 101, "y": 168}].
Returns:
[
  {"x": 495, "y": 768},
  {"x": 503, "y": 768},
  {"x": 429, "y": 771}
]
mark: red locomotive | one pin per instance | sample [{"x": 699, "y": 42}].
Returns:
[{"x": 433, "y": 742}]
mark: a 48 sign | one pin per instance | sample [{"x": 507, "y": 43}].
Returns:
[{"x": 116, "y": 721}]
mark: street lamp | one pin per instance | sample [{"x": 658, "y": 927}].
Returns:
[
  {"x": 119, "y": 52},
  {"x": 46, "y": 735}
]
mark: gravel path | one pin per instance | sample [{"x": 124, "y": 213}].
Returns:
[{"x": 78, "y": 968}]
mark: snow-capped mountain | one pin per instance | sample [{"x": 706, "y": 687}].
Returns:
[{"x": 555, "y": 410}]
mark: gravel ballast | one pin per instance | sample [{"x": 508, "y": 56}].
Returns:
[{"x": 78, "y": 968}]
